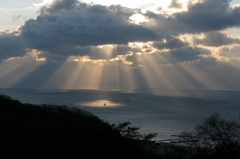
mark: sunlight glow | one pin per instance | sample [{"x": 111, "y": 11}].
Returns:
[
  {"x": 100, "y": 104},
  {"x": 138, "y": 18},
  {"x": 152, "y": 72},
  {"x": 202, "y": 76},
  {"x": 76, "y": 74},
  {"x": 13, "y": 70},
  {"x": 36, "y": 55},
  {"x": 85, "y": 59},
  {"x": 106, "y": 50}
]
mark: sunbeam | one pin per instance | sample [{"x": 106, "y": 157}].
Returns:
[
  {"x": 207, "y": 77},
  {"x": 14, "y": 70},
  {"x": 76, "y": 75},
  {"x": 152, "y": 72}
]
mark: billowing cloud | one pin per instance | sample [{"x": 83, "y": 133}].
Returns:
[
  {"x": 81, "y": 24},
  {"x": 187, "y": 54},
  {"x": 173, "y": 56},
  {"x": 217, "y": 39},
  {"x": 11, "y": 45},
  {"x": 71, "y": 28},
  {"x": 71, "y": 44},
  {"x": 201, "y": 16},
  {"x": 169, "y": 44},
  {"x": 57, "y": 5},
  {"x": 175, "y": 4},
  {"x": 233, "y": 52},
  {"x": 209, "y": 15}
]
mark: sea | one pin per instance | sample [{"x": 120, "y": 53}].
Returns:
[{"x": 165, "y": 112}]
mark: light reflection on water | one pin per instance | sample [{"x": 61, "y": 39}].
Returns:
[{"x": 100, "y": 104}]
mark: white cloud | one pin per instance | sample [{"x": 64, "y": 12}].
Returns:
[{"x": 44, "y": 2}]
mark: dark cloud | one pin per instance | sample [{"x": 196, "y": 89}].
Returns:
[
  {"x": 233, "y": 52},
  {"x": 171, "y": 43},
  {"x": 216, "y": 39},
  {"x": 186, "y": 54},
  {"x": 173, "y": 56},
  {"x": 73, "y": 28},
  {"x": 123, "y": 49},
  {"x": 109, "y": 52},
  {"x": 57, "y": 5},
  {"x": 83, "y": 25},
  {"x": 207, "y": 15},
  {"x": 69, "y": 27},
  {"x": 68, "y": 33},
  {"x": 175, "y": 4},
  {"x": 10, "y": 45}
]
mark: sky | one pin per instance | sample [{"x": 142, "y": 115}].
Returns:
[{"x": 120, "y": 45}]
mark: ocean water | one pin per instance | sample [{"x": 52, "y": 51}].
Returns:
[{"x": 153, "y": 111}]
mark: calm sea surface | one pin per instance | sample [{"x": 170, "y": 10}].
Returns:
[{"x": 160, "y": 113}]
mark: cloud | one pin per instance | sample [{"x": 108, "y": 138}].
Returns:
[
  {"x": 72, "y": 28},
  {"x": 173, "y": 56},
  {"x": 201, "y": 16},
  {"x": 57, "y": 5},
  {"x": 186, "y": 54},
  {"x": 217, "y": 39},
  {"x": 175, "y": 4},
  {"x": 106, "y": 52},
  {"x": 11, "y": 45},
  {"x": 16, "y": 17},
  {"x": 233, "y": 52},
  {"x": 208, "y": 16},
  {"x": 83, "y": 41},
  {"x": 171, "y": 43},
  {"x": 82, "y": 25}
]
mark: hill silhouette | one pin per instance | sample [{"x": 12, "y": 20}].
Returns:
[{"x": 50, "y": 131}]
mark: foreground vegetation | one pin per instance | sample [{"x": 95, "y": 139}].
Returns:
[
  {"x": 215, "y": 138},
  {"x": 49, "y": 131}
]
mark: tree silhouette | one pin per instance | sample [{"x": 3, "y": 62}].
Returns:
[{"x": 215, "y": 136}]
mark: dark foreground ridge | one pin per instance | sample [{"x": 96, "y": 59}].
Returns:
[{"x": 48, "y": 131}]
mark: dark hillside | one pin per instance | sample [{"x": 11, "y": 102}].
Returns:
[{"x": 47, "y": 131}]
